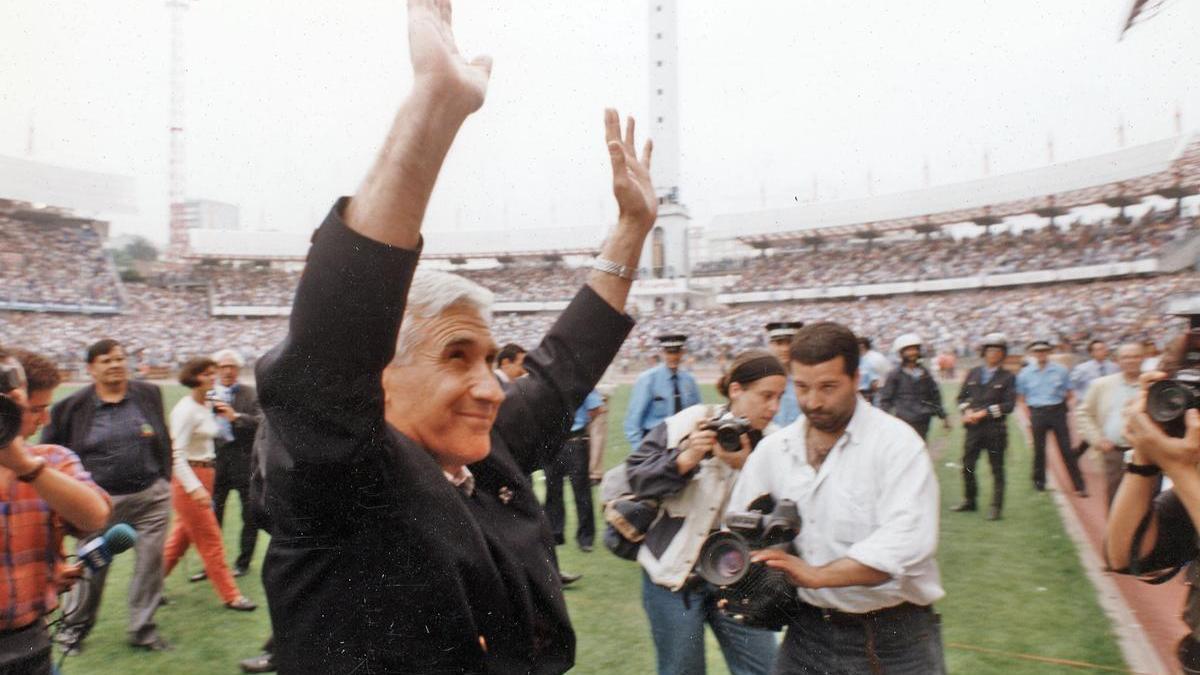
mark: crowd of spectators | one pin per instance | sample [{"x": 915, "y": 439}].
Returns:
[
  {"x": 165, "y": 327},
  {"x": 55, "y": 265},
  {"x": 252, "y": 286},
  {"x": 942, "y": 256},
  {"x": 530, "y": 283}
]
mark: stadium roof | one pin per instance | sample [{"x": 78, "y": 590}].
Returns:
[
  {"x": 85, "y": 191},
  {"x": 461, "y": 245},
  {"x": 1126, "y": 175}
]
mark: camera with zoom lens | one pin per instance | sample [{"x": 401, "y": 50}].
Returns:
[
  {"x": 729, "y": 428},
  {"x": 725, "y": 556},
  {"x": 1167, "y": 401},
  {"x": 11, "y": 377}
]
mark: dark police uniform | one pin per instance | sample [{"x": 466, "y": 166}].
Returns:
[{"x": 997, "y": 395}]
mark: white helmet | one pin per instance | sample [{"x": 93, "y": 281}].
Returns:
[{"x": 905, "y": 341}]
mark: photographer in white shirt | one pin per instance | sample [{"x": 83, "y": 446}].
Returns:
[{"x": 865, "y": 567}]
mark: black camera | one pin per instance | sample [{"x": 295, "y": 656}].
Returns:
[
  {"x": 729, "y": 428},
  {"x": 725, "y": 556},
  {"x": 11, "y": 377},
  {"x": 1168, "y": 401}
]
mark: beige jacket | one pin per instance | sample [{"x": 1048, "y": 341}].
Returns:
[{"x": 1098, "y": 403}]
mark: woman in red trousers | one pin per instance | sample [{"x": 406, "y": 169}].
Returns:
[{"x": 193, "y": 427}]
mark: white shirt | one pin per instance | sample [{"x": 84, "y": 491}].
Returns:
[
  {"x": 874, "y": 500},
  {"x": 193, "y": 428}
]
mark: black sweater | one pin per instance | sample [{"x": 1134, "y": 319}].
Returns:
[{"x": 377, "y": 563}]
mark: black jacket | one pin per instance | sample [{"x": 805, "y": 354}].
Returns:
[
  {"x": 377, "y": 563},
  {"x": 911, "y": 399},
  {"x": 71, "y": 421},
  {"x": 233, "y": 457},
  {"x": 997, "y": 397}
]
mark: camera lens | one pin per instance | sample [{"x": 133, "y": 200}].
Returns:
[
  {"x": 730, "y": 438},
  {"x": 1167, "y": 401},
  {"x": 724, "y": 559}
]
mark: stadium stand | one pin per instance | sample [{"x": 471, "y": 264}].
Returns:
[{"x": 51, "y": 261}]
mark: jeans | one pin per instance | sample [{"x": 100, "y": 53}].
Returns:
[
  {"x": 901, "y": 643},
  {"x": 678, "y": 631}
]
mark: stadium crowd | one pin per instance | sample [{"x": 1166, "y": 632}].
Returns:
[
  {"x": 72, "y": 266},
  {"x": 165, "y": 327},
  {"x": 255, "y": 286},
  {"x": 941, "y": 257}
]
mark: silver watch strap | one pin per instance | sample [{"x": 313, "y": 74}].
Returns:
[{"x": 610, "y": 267}]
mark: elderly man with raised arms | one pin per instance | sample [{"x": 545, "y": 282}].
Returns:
[{"x": 406, "y": 536}]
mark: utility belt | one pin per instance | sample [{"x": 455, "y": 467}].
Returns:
[
  {"x": 838, "y": 617},
  {"x": 202, "y": 463}
]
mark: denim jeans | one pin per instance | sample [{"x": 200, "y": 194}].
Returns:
[
  {"x": 904, "y": 643},
  {"x": 678, "y": 631}
]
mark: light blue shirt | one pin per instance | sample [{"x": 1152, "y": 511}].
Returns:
[
  {"x": 1083, "y": 374},
  {"x": 1044, "y": 386},
  {"x": 866, "y": 377},
  {"x": 594, "y": 400},
  {"x": 653, "y": 400},
  {"x": 789, "y": 407}
]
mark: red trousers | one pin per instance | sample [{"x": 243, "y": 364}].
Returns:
[{"x": 197, "y": 524}]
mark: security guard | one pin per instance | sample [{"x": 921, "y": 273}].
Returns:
[
  {"x": 987, "y": 396},
  {"x": 660, "y": 392},
  {"x": 910, "y": 392},
  {"x": 779, "y": 335},
  {"x": 1044, "y": 387}
]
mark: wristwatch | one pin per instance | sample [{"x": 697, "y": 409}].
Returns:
[{"x": 1148, "y": 470}]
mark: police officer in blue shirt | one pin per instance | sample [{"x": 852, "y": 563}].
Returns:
[
  {"x": 660, "y": 392},
  {"x": 1044, "y": 388},
  {"x": 779, "y": 335},
  {"x": 572, "y": 463}
]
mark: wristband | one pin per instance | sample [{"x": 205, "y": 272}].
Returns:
[
  {"x": 37, "y": 471},
  {"x": 1148, "y": 470},
  {"x": 609, "y": 267}
]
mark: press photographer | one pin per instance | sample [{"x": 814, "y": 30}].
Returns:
[
  {"x": 865, "y": 568},
  {"x": 44, "y": 494},
  {"x": 1153, "y": 533},
  {"x": 689, "y": 462}
]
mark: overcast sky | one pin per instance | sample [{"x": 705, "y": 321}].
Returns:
[{"x": 287, "y": 101}]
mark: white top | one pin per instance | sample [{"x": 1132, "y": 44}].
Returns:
[
  {"x": 874, "y": 500},
  {"x": 193, "y": 428},
  {"x": 700, "y": 503}
]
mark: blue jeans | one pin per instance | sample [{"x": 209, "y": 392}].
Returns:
[
  {"x": 900, "y": 643},
  {"x": 678, "y": 631}
]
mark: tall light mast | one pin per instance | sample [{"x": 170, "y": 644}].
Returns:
[
  {"x": 666, "y": 252},
  {"x": 177, "y": 242}
]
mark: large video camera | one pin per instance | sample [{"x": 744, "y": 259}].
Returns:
[
  {"x": 729, "y": 428},
  {"x": 11, "y": 377},
  {"x": 1168, "y": 401},
  {"x": 725, "y": 556}
]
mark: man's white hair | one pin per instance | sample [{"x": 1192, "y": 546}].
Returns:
[
  {"x": 432, "y": 293},
  {"x": 230, "y": 355}
]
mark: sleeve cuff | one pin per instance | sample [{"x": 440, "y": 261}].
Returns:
[
  {"x": 995, "y": 411},
  {"x": 864, "y": 555}
]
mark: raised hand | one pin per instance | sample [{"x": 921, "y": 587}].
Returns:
[
  {"x": 435, "y": 58},
  {"x": 636, "y": 200}
]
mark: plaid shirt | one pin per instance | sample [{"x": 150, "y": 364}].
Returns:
[{"x": 31, "y": 541}]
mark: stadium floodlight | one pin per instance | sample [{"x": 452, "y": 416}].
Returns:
[{"x": 1140, "y": 11}]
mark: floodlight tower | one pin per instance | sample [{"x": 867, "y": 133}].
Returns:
[
  {"x": 666, "y": 250},
  {"x": 177, "y": 241}
]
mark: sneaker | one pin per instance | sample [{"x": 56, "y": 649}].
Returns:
[
  {"x": 156, "y": 645},
  {"x": 567, "y": 578},
  {"x": 242, "y": 604},
  {"x": 198, "y": 576},
  {"x": 964, "y": 506},
  {"x": 263, "y": 663},
  {"x": 240, "y": 571}
]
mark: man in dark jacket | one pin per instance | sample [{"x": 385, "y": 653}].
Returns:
[
  {"x": 910, "y": 392},
  {"x": 117, "y": 428},
  {"x": 406, "y": 536},
  {"x": 234, "y": 445},
  {"x": 986, "y": 399}
]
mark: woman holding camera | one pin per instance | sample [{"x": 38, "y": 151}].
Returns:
[
  {"x": 1153, "y": 534},
  {"x": 682, "y": 463},
  {"x": 193, "y": 427}
]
